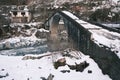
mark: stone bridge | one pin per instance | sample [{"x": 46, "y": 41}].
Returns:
[{"x": 81, "y": 32}]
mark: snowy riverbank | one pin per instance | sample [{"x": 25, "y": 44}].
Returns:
[{"x": 21, "y": 45}]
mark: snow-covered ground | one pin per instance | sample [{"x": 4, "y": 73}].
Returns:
[
  {"x": 15, "y": 68},
  {"x": 99, "y": 35}
]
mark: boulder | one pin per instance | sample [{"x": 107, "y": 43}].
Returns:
[
  {"x": 8, "y": 45},
  {"x": 3, "y": 76},
  {"x": 72, "y": 67},
  {"x": 79, "y": 67},
  {"x": 50, "y": 77},
  {"x": 60, "y": 62},
  {"x": 89, "y": 71}
]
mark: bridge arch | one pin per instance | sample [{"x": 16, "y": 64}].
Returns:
[
  {"x": 58, "y": 32},
  {"x": 57, "y": 26},
  {"x": 74, "y": 31}
]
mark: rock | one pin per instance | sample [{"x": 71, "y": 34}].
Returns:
[
  {"x": 40, "y": 34},
  {"x": 50, "y": 77},
  {"x": 60, "y": 62},
  {"x": 7, "y": 74},
  {"x": 8, "y": 45},
  {"x": 28, "y": 79},
  {"x": 89, "y": 71},
  {"x": 27, "y": 26},
  {"x": 72, "y": 67},
  {"x": 39, "y": 68},
  {"x": 64, "y": 71},
  {"x": 2, "y": 69},
  {"x": 72, "y": 53},
  {"x": 79, "y": 67},
  {"x": 2, "y": 76},
  {"x": 43, "y": 78},
  {"x": 116, "y": 51},
  {"x": 34, "y": 57},
  {"x": 29, "y": 57}
]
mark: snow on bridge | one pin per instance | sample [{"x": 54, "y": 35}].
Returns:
[{"x": 100, "y": 35}]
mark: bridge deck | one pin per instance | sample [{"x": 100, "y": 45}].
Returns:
[{"x": 100, "y": 35}]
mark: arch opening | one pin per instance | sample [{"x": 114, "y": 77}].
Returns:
[{"x": 58, "y": 34}]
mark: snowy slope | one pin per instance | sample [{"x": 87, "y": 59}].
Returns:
[{"x": 14, "y": 68}]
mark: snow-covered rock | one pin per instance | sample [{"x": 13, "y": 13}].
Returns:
[
  {"x": 8, "y": 45},
  {"x": 3, "y": 73},
  {"x": 42, "y": 33}
]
